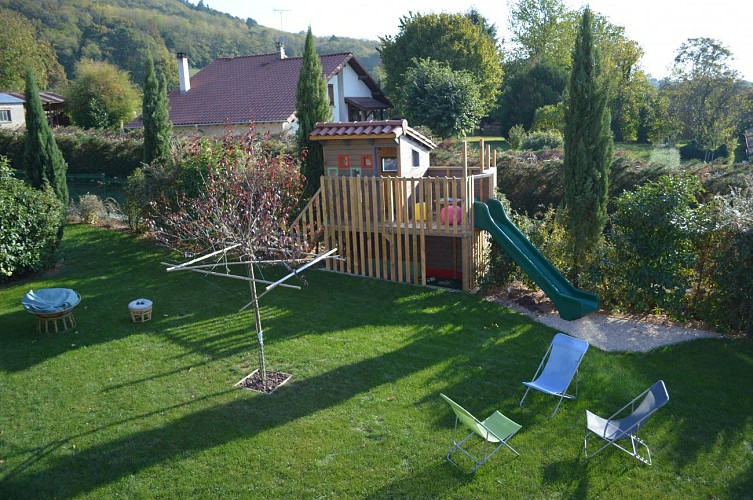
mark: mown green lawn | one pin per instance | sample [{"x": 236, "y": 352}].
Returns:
[{"x": 116, "y": 409}]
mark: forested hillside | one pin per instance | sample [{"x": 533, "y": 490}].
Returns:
[{"x": 123, "y": 32}]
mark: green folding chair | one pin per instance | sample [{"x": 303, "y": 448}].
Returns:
[{"x": 497, "y": 430}]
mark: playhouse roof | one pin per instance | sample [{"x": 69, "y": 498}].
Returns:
[{"x": 391, "y": 129}]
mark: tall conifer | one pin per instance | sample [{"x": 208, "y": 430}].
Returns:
[
  {"x": 156, "y": 116},
  {"x": 588, "y": 147},
  {"x": 312, "y": 106},
  {"x": 43, "y": 160}
]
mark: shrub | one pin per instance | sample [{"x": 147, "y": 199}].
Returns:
[
  {"x": 550, "y": 117},
  {"x": 536, "y": 141},
  {"x": 515, "y": 136},
  {"x": 693, "y": 151},
  {"x": 530, "y": 183},
  {"x": 184, "y": 175},
  {"x": 729, "y": 304},
  {"x": 30, "y": 220},
  {"x": 91, "y": 209},
  {"x": 652, "y": 232}
]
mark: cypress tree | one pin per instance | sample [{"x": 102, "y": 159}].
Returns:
[
  {"x": 43, "y": 160},
  {"x": 588, "y": 147},
  {"x": 312, "y": 106},
  {"x": 156, "y": 116}
]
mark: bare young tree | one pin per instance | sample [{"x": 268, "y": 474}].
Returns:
[{"x": 242, "y": 212}]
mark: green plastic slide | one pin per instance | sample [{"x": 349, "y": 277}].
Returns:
[{"x": 571, "y": 302}]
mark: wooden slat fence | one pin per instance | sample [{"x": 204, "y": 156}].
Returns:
[{"x": 380, "y": 224}]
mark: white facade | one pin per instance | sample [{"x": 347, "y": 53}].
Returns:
[
  {"x": 346, "y": 84},
  {"x": 12, "y": 115},
  {"x": 414, "y": 157}
]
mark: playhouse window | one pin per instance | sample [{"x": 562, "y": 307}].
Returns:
[
  {"x": 389, "y": 164},
  {"x": 416, "y": 159},
  {"x": 4, "y": 115}
]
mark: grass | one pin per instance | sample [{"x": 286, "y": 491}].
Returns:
[{"x": 116, "y": 409}]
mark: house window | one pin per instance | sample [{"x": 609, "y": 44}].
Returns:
[
  {"x": 416, "y": 159},
  {"x": 331, "y": 92},
  {"x": 4, "y": 115}
]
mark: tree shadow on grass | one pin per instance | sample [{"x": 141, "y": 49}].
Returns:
[{"x": 102, "y": 464}]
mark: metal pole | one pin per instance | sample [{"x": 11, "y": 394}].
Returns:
[{"x": 259, "y": 331}]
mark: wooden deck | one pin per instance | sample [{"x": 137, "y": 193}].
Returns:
[{"x": 388, "y": 227}]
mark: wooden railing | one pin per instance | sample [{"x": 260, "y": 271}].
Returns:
[{"x": 380, "y": 224}]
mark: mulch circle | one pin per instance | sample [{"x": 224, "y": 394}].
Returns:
[{"x": 254, "y": 381}]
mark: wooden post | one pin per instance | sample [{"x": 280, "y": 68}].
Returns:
[{"x": 481, "y": 151}]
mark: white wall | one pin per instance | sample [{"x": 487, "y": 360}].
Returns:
[
  {"x": 347, "y": 84},
  {"x": 407, "y": 147},
  {"x": 17, "y": 116}
]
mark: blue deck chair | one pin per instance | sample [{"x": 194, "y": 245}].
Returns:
[
  {"x": 557, "y": 368},
  {"x": 497, "y": 430},
  {"x": 613, "y": 429}
]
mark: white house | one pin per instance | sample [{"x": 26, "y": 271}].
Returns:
[
  {"x": 11, "y": 112},
  {"x": 235, "y": 93}
]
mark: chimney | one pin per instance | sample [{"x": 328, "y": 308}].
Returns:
[
  {"x": 281, "y": 48},
  {"x": 185, "y": 80}
]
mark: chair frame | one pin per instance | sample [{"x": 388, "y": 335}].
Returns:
[
  {"x": 457, "y": 445},
  {"x": 544, "y": 360},
  {"x": 631, "y": 432}
]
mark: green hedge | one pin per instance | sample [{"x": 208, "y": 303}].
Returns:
[
  {"x": 532, "y": 181},
  {"x": 115, "y": 154},
  {"x": 30, "y": 220}
]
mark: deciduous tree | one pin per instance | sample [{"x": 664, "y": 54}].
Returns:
[
  {"x": 448, "y": 102},
  {"x": 705, "y": 93},
  {"x": 247, "y": 202},
  {"x": 21, "y": 47},
  {"x": 532, "y": 87},
  {"x": 452, "y": 39},
  {"x": 542, "y": 30},
  {"x": 101, "y": 96}
]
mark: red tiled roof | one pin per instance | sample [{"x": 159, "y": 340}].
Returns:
[
  {"x": 391, "y": 128},
  {"x": 259, "y": 88}
]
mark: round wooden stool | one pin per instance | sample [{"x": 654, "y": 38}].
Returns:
[{"x": 141, "y": 310}]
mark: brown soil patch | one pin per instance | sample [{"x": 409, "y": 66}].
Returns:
[{"x": 254, "y": 381}]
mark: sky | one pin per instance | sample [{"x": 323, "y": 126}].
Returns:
[{"x": 659, "y": 26}]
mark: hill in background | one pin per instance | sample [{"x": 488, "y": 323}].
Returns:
[{"x": 123, "y": 32}]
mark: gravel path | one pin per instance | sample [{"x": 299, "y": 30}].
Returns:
[{"x": 611, "y": 333}]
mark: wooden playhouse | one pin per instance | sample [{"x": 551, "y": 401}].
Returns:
[{"x": 392, "y": 215}]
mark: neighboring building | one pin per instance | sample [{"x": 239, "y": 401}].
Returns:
[
  {"x": 235, "y": 93},
  {"x": 11, "y": 112}
]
